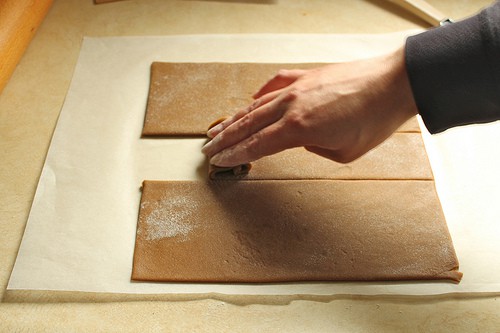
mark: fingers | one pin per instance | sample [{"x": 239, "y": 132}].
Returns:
[
  {"x": 239, "y": 139},
  {"x": 245, "y": 127},
  {"x": 214, "y": 131},
  {"x": 268, "y": 141},
  {"x": 267, "y": 93},
  {"x": 283, "y": 79},
  {"x": 248, "y": 132}
]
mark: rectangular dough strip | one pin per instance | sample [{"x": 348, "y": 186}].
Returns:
[
  {"x": 402, "y": 156},
  {"x": 290, "y": 231},
  {"x": 185, "y": 97}
]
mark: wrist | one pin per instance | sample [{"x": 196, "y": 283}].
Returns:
[{"x": 404, "y": 106}]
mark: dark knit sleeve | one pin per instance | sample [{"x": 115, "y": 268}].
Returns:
[{"x": 454, "y": 71}]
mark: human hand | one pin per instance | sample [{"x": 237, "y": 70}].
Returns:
[{"x": 338, "y": 111}]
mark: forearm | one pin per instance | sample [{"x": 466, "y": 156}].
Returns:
[{"x": 454, "y": 71}]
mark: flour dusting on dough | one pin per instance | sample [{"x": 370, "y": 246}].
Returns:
[{"x": 170, "y": 218}]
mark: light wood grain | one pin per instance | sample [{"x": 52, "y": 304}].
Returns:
[{"x": 423, "y": 10}]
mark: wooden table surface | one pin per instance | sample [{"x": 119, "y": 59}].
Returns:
[{"x": 30, "y": 104}]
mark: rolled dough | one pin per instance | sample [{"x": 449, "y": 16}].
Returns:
[
  {"x": 402, "y": 156},
  {"x": 239, "y": 171},
  {"x": 279, "y": 231},
  {"x": 378, "y": 219},
  {"x": 183, "y": 97}
]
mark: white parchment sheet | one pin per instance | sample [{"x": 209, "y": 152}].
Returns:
[{"x": 81, "y": 230}]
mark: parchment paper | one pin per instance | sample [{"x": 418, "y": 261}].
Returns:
[{"x": 81, "y": 229}]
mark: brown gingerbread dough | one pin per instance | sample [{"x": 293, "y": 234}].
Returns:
[
  {"x": 282, "y": 231},
  {"x": 402, "y": 156},
  {"x": 184, "y": 96}
]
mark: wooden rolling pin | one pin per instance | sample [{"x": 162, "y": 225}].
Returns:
[{"x": 19, "y": 20}]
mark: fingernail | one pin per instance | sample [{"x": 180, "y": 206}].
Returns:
[
  {"x": 214, "y": 130},
  {"x": 206, "y": 147}
]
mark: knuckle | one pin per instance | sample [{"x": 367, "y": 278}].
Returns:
[
  {"x": 290, "y": 100},
  {"x": 282, "y": 74},
  {"x": 254, "y": 145},
  {"x": 255, "y": 104},
  {"x": 293, "y": 94},
  {"x": 247, "y": 120},
  {"x": 295, "y": 114},
  {"x": 296, "y": 120},
  {"x": 246, "y": 124}
]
